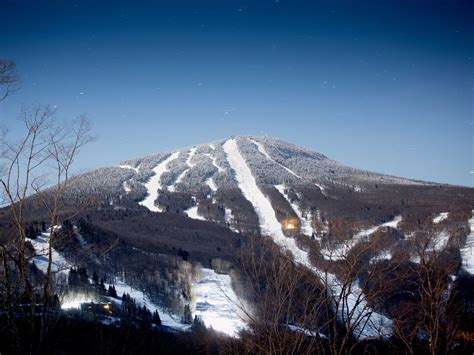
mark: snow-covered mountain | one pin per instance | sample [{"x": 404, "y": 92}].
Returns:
[{"x": 178, "y": 212}]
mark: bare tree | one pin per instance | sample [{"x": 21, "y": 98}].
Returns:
[
  {"x": 430, "y": 314},
  {"x": 356, "y": 284},
  {"x": 39, "y": 162},
  {"x": 9, "y": 78},
  {"x": 287, "y": 311}
]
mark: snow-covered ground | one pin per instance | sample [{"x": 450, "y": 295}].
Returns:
[
  {"x": 467, "y": 252},
  {"x": 41, "y": 245},
  {"x": 181, "y": 176},
  {"x": 215, "y": 302},
  {"x": 154, "y": 184},
  {"x": 167, "y": 319},
  {"x": 229, "y": 219},
  {"x": 377, "y": 324},
  {"x": 304, "y": 217},
  {"x": 340, "y": 251},
  {"x": 212, "y": 185},
  {"x": 352, "y": 305},
  {"x": 269, "y": 224},
  {"x": 214, "y": 162},
  {"x": 137, "y": 169},
  {"x": 262, "y": 150},
  {"x": 192, "y": 213},
  {"x": 441, "y": 217}
]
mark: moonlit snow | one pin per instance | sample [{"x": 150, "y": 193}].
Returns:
[
  {"x": 41, "y": 246},
  {"x": 180, "y": 178},
  {"x": 269, "y": 224},
  {"x": 154, "y": 184},
  {"x": 215, "y": 302},
  {"x": 467, "y": 252},
  {"x": 306, "y": 224}
]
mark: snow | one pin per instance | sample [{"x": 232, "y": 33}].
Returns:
[
  {"x": 228, "y": 216},
  {"x": 126, "y": 187},
  {"x": 212, "y": 185},
  {"x": 212, "y": 146},
  {"x": 41, "y": 245},
  {"x": 441, "y": 217},
  {"x": 180, "y": 178},
  {"x": 137, "y": 169},
  {"x": 338, "y": 252},
  {"x": 321, "y": 188},
  {"x": 262, "y": 150},
  {"x": 269, "y": 224},
  {"x": 167, "y": 319},
  {"x": 192, "y": 213},
  {"x": 382, "y": 255},
  {"x": 305, "y": 218},
  {"x": 214, "y": 162},
  {"x": 216, "y": 303},
  {"x": 74, "y": 300},
  {"x": 154, "y": 184},
  {"x": 467, "y": 251},
  {"x": 352, "y": 306}
]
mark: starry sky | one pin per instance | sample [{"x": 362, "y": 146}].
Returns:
[{"x": 380, "y": 85}]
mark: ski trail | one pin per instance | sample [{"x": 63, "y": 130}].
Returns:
[
  {"x": 306, "y": 226},
  {"x": 137, "y": 169},
  {"x": 269, "y": 224},
  {"x": 212, "y": 185},
  {"x": 193, "y": 213},
  {"x": 214, "y": 162},
  {"x": 180, "y": 178},
  {"x": 154, "y": 184},
  {"x": 467, "y": 251},
  {"x": 262, "y": 150},
  {"x": 355, "y": 302}
]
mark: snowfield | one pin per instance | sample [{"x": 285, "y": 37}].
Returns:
[
  {"x": 154, "y": 184},
  {"x": 41, "y": 246},
  {"x": 216, "y": 304}
]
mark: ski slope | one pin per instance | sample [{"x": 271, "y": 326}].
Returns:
[
  {"x": 216, "y": 303},
  {"x": 263, "y": 151},
  {"x": 269, "y": 224},
  {"x": 180, "y": 178},
  {"x": 306, "y": 225},
  {"x": 154, "y": 184},
  {"x": 137, "y": 169},
  {"x": 41, "y": 245},
  {"x": 467, "y": 252},
  {"x": 192, "y": 213}
]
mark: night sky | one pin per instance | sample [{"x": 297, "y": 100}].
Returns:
[{"x": 380, "y": 85}]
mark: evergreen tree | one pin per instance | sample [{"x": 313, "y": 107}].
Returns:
[
  {"x": 187, "y": 315},
  {"x": 156, "y": 318}
]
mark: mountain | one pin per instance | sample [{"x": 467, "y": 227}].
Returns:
[{"x": 174, "y": 225}]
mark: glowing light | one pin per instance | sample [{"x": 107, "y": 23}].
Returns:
[
  {"x": 74, "y": 301},
  {"x": 290, "y": 224}
]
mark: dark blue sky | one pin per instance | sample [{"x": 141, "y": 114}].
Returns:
[{"x": 381, "y": 85}]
